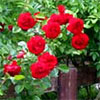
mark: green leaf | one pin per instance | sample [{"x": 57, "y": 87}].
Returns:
[
  {"x": 54, "y": 73},
  {"x": 19, "y": 88},
  {"x": 98, "y": 74},
  {"x": 98, "y": 67},
  {"x": 27, "y": 86},
  {"x": 36, "y": 98},
  {"x": 94, "y": 20},
  {"x": 41, "y": 15},
  {"x": 1, "y": 92},
  {"x": 46, "y": 83},
  {"x": 94, "y": 57},
  {"x": 19, "y": 77},
  {"x": 64, "y": 68},
  {"x": 16, "y": 29}
]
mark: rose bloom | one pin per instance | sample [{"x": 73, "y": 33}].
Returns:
[
  {"x": 52, "y": 30},
  {"x": 60, "y": 18},
  {"x": 39, "y": 70},
  {"x": 75, "y": 25},
  {"x": 61, "y": 9},
  {"x": 25, "y": 21},
  {"x": 36, "y": 44},
  {"x": 48, "y": 59},
  {"x": 56, "y": 18},
  {"x": 10, "y": 27},
  {"x": 21, "y": 54},
  {"x": 13, "y": 69},
  {"x": 2, "y": 27},
  {"x": 80, "y": 41}
]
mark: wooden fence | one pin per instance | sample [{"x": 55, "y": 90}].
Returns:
[{"x": 67, "y": 83}]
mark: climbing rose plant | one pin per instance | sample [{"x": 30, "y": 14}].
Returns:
[
  {"x": 36, "y": 45},
  {"x": 33, "y": 66}
]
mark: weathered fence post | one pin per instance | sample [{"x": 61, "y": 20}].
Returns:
[{"x": 67, "y": 85}]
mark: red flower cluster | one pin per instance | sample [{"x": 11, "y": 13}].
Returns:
[
  {"x": 44, "y": 66},
  {"x": 25, "y": 21},
  {"x": 61, "y": 18},
  {"x": 52, "y": 30},
  {"x": 79, "y": 40},
  {"x": 36, "y": 44},
  {"x": 75, "y": 25},
  {"x": 13, "y": 69},
  {"x": 47, "y": 62}
]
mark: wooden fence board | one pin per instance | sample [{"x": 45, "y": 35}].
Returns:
[{"x": 67, "y": 85}]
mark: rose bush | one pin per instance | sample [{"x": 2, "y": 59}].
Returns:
[{"x": 63, "y": 31}]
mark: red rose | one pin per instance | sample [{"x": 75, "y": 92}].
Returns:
[
  {"x": 21, "y": 54},
  {"x": 10, "y": 27},
  {"x": 56, "y": 18},
  {"x": 80, "y": 41},
  {"x": 36, "y": 44},
  {"x": 13, "y": 69},
  {"x": 39, "y": 70},
  {"x": 52, "y": 30},
  {"x": 48, "y": 59},
  {"x": 2, "y": 27},
  {"x": 25, "y": 21},
  {"x": 75, "y": 25},
  {"x": 61, "y": 9},
  {"x": 60, "y": 19}
]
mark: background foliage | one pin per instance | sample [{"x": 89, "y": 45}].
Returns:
[{"x": 11, "y": 42}]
